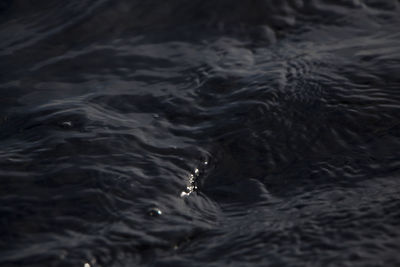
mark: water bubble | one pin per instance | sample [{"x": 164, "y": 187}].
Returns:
[
  {"x": 66, "y": 124},
  {"x": 185, "y": 194},
  {"x": 154, "y": 212}
]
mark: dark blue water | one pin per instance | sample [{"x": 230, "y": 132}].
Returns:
[{"x": 199, "y": 133}]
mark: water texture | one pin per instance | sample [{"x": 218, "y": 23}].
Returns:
[{"x": 199, "y": 133}]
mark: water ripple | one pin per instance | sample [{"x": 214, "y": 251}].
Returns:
[{"x": 198, "y": 133}]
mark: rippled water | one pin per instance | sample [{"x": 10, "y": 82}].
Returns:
[{"x": 193, "y": 133}]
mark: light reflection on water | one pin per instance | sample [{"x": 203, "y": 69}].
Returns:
[{"x": 199, "y": 133}]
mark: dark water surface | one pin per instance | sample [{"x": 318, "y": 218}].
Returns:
[{"x": 200, "y": 133}]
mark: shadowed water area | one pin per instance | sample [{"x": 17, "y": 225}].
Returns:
[{"x": 199, "y": 133}]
